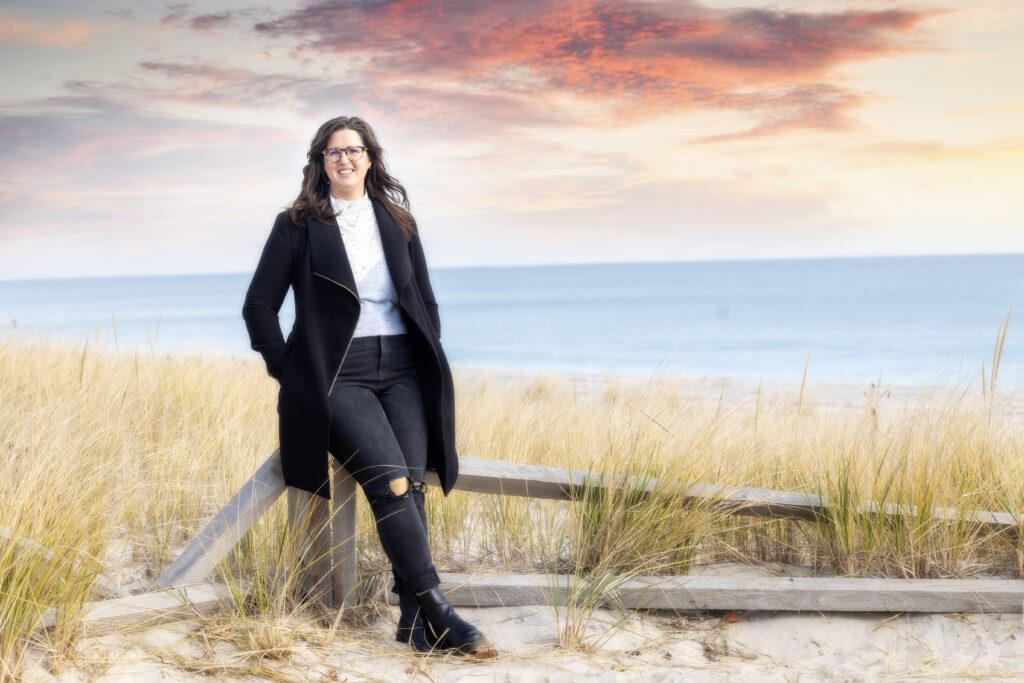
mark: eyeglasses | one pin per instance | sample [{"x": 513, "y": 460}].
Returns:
[{"x": 334, "y": 154}]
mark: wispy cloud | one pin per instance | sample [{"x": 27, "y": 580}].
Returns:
[
  {"x": 66, "y": 34},
  {"x": 181, "y": 14},
  {"x": 91, "y": 179},
  {"x": 813, "y": 106},
  {"x": 232, "y": 86},
  {"x": 94, "y": 146},
  {"x": 195, "y": 83}
]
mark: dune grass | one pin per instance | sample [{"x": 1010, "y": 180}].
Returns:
[{"x": 113, "y": 460}]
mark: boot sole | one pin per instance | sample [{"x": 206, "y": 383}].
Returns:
[
  {"x": 484, "y": 651},
  {"x": 481, "y": 650},
  {"x": 478, "y": 649}
]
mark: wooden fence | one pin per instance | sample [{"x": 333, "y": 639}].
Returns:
[
  {"x": 330, "y": 554},
  {"x": 331, "y": 551}
]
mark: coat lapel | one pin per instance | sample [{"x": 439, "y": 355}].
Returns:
[
  {"x": 396, "y": 254},
  {"x": 327, "y": 253}
]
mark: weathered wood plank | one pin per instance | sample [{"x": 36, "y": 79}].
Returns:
[
  {"x": 343, "y": 537},
  {"x": 147, "y": 609},
  {"x": 502, "y": 478},
  {"x": 103, "y": 589},
  {"x": 536, "y": 481},
  {"x": 787, "y": 594},
  {"x": 796, "y": 594},
  {"x": 804, "y": 594},
  {"x": 217, "y": 538},
  {"x": 29, "y": 545},
  {"x": 480, "y": 475}
]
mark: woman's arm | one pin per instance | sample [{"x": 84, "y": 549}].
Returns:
[
  {"x": 266, "y": 292},
  {"x": 419, "y": 269}
]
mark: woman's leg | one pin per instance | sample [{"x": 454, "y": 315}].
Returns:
[
  {"x": 379, "y": 433},
  {"x": 402, "y": 401},
  {"x": 365, "y": 443},
  {"x": 403, "y": 404}
]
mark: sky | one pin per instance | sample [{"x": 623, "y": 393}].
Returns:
[{"x": 157, "y": 138}]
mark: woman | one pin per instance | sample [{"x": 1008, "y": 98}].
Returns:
[{"x": 362, "y": 373}]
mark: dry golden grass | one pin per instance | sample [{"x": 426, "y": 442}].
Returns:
[{"x": 129, "y": 450}]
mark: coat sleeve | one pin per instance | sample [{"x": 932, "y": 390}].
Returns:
[
  {"x": 419, "y": 268},
  {"x": 266, "y": 293}
]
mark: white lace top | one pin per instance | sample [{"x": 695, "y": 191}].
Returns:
[{"x": 359, "y": 232}]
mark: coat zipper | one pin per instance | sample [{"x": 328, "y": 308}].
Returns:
[{"x": 344, "y": 355}]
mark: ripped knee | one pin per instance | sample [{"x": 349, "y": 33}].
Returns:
[{"x": 399, "y": 487}]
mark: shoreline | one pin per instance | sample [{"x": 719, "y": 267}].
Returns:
[
  {"x": 827, "y": 392},
  {"x": 823, "y": 395}
]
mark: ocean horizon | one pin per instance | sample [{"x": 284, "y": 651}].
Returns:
[{"x": 917, "y": 320}]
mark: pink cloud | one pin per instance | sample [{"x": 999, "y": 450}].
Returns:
[
  {"x": 99, "y": 142},
  {"x": 638, "y": 58},
  {"x": 61, "y": 34},
  {"x": 815, "y": 106},
  {"x": 467, "y": 69}
]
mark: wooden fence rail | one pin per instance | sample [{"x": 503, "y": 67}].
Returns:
[
  {"x": 699, "y": 593},
  {"x": 332, "y": 580},
  {"x": 680, "y": 593}
]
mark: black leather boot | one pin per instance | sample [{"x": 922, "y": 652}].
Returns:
[
  {"x": 454, "y": 632},
  {"x": 412, "y": 629}
]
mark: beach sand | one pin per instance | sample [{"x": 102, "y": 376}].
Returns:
[
  {"x": 749, "y": 646},
  {"x": 827, "y": 396},
  {"x": 618, "y": 645}
]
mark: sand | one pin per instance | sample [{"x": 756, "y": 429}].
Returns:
[
  {"x": 751, "y": 646},
  {"x": 824, "y": 396}
]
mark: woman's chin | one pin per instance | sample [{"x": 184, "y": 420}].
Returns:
[{"x": 347, "y": 191}]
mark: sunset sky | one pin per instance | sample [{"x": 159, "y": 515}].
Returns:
[{"x": 148, "y": 137}]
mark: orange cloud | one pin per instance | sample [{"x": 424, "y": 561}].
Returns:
[
  {"x": 636, "y": 57},
  {"x": 63, "y": 34}
]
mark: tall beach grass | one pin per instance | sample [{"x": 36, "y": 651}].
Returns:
[{"x": 112, "y": 461}]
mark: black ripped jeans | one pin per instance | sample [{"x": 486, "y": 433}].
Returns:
[{"x": 379, "y": 434}]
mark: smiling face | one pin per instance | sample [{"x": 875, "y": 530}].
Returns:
[{"x": 347, "y": 176}]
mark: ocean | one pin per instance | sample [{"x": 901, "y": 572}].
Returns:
[{"x": 930, "y": 320}]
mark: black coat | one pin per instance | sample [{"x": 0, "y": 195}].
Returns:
[{"x": 311, "y": 259}]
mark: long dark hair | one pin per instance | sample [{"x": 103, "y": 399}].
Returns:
[{"x": 314, "y": 197}]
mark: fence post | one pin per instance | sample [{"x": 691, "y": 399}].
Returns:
[
  {"x": 343, "y": 528},
  {"x": 310, "y": 529}
]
